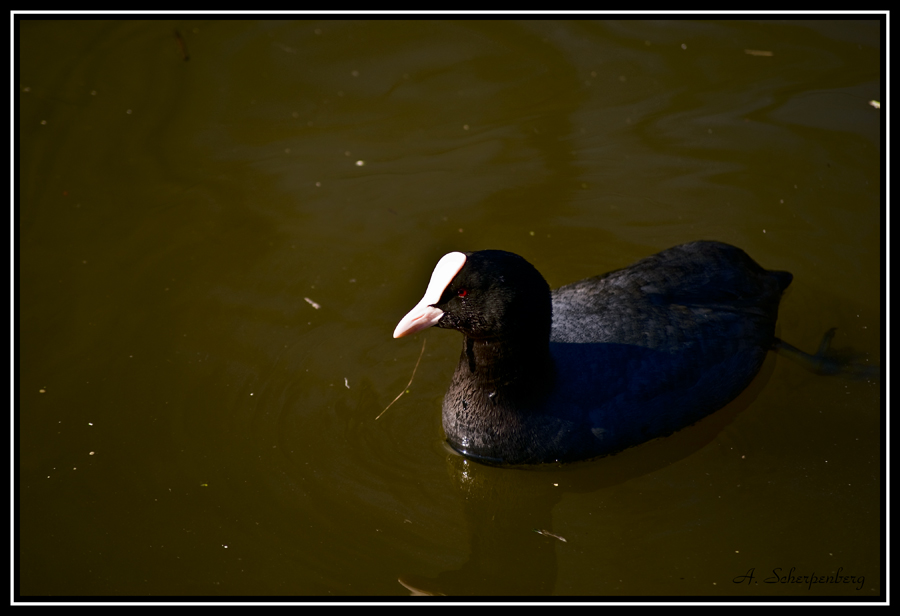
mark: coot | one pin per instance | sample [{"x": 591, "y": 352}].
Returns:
[{"x": 598, "y": 365}]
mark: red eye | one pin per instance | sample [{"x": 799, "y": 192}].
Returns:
[{"x": 462, "y": 293}]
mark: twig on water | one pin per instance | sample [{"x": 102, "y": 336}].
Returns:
[
  {"x": 182, "y": 46},
  {"x": 422, "y": 352}
]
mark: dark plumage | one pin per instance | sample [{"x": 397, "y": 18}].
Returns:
[{"x": 601, "y": 364}]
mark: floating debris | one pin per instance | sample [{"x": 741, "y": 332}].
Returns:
[
  {"x": 547, "y": 533},
  {"x": 876, "y": 104},
  {"x": 405, "y": 389},
  {"x": 312, "y": 303},
  {"x": 758, "y": 52},
  {"x": 182, "y": 46}
]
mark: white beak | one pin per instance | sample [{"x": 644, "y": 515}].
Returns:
[{"x": 424, "y": 315}]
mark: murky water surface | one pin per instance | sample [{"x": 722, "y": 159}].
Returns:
[{"x": 221, "y": 222}]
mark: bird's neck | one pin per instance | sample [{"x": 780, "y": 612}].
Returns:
[{"x": 496, "y": 362}]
